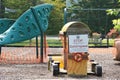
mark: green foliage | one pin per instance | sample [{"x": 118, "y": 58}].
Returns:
[
  {"x": 113, "y": 12},
  {"x": 56, "y": 17},
  {"x": 93, "y": 13},
  {"x": 116, "y": 22},
  {"x": 93, "y": 3},
  {"x": 19, "y": 5},
  {"x": 55, "y": 20},
  {"x": 2, "y": 9}
]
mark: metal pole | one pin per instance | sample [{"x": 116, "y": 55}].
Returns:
[
  {"x": 45, "y": 46},
  {"x": 37, "y": 21},
  {"x": 2, "y": 11},
  {"x": 0, "y": 50},
  {"x": 36, "y": 46},
  {"x": 41, "y": 49},
  {"x": 107, "y": 41},
  {"x": 65, "y": 51},
  {"x": 65, "y": 15}
]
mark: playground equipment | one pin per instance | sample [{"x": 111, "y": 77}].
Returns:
[
  {"x": 30, "y": 24},
  {"x": 5, "y": 24},
  {"x": 75, "y": 60}
]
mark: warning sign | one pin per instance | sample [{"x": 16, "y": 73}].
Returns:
[{"x": 78, "y": 43}]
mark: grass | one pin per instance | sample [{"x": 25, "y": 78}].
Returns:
[
  {"x": 57, "y": 43},
  {"x": 101, "y": 43},
  {"x": 111, "y": 41},
  {"x": 50, "y": 42}
]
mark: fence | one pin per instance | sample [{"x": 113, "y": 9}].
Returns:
[
  {"x": 27, "y": 54},
  {"x": 19, "y": 55}
]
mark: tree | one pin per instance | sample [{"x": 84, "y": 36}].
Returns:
[
  {"x": 93, "y": 13},
  {"x": 56, "y": 20},
  {"x": 116, "y": 22},
  {"x": 20, "y": 6}
]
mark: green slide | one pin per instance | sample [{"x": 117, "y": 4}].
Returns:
[
  {"x": 5, "y": 24},
  {"x": 30, "y": 24}
]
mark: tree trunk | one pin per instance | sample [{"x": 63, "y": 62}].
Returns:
[{"x": 2, "y": 9}]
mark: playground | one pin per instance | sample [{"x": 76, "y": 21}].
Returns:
[
  {"x": 33, "y": 71},
  {"x": 74, "y": 57}
]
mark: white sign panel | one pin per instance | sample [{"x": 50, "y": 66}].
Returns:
[{"x": 78, "y": 43}]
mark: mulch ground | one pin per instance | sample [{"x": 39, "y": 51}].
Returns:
[{"x": 34, "y": 70}]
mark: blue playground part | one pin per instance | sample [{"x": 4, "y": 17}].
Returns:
[
  {"x": 5, "y": 24},
  {"x": 32, "y": 23}
]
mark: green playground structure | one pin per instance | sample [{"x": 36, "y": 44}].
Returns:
[
  {"x": 5, "y": 24},
  {"x": 30, "y": 24}
]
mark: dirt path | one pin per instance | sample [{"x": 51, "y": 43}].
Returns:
[{"x": 104, "y": 56}]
